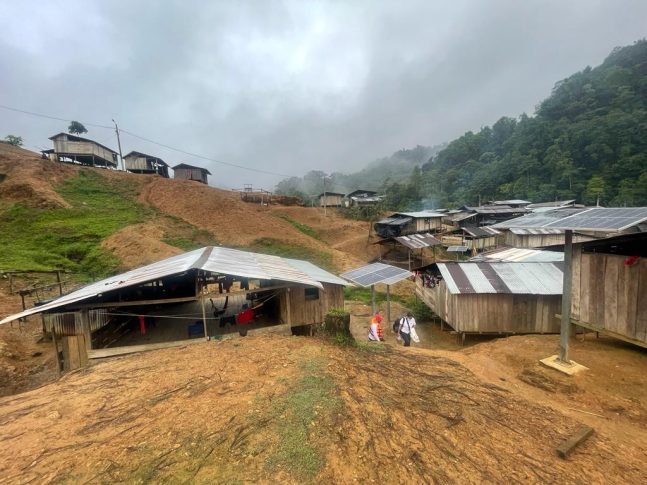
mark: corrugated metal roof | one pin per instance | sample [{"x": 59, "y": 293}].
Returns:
[
  {"x": 376, "y": 273},
  {"x": 537, "y": 220},
  {"x": 511, "y": 278},
  {"x": 520, "y": 255},
  {"x": 602, "y": 219},
  {"x": 420, "y": 214},
  {"x": 480, "y": 231},
  {"x": 395, "y": 221},
  {"x": 214, "y": 259},
  {"x": 511, "y": 201},
  {"x": 417, "y": 241},
  {"x": 535, "y": 232},
  {"x": 557, "y": 203},
  {"x": 457, "y": 249},
  {"x": 461, "y": 216}
]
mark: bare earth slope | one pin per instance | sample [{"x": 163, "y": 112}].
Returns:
[{"x": 222, "y": 410}]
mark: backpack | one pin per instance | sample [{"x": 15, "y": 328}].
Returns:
[{"x": 396, "y": 325}]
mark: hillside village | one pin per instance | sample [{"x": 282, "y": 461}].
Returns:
[
  {"x": 225, "y": 289},
  {"x": 492, "y": 270}
]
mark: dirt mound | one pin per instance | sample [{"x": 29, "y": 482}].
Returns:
[
  {"x": 28, "y": 179},
  {"x": 270, "y": 409},
  {"x": 139, "y": 245}
]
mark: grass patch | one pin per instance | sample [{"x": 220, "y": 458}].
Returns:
[
  {"x": 280, "y": 248},
  {"x": 303, "y": 411},
  {"x": 357, "y": 293},
  {"x": 70, "y": 239},
  {"x": 190, "y": 239},
  {"x": 421, "y": 312},
  {"x": 304, "y": 228}
]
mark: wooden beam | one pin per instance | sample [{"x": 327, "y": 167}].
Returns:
[
  {"x": 609, "y": 333},
  {"x": 567, "y": 281},
  {"x": 131, "y": 349},
  {"x": 579, "y": 437},
  {"x": 116, "y": 304}
]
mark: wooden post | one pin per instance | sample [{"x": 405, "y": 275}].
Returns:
[
  {"x": 204, "y": 318},
  {"x": 55, "y": 342},
  {"x": 566, "y": 297},
  {"x": 388, "y": 303},
  {"x": 373, "y": 299},
  {"x": 85, "y": 328},
  {"x": 409, "y": 259},
  {"x": 10, "y": 284},
  {"x": 287, "y": 307},
  {"x": 60, "y": 285}
]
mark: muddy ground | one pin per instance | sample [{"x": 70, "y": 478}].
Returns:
[{"x": 295, "y": 409}]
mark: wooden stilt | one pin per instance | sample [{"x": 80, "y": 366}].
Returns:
[{"x": 56, "y": 356}]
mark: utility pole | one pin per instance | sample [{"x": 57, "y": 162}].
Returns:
[
  {"x": 324, "y": 181},
  {"x": 123, "y": 167}
]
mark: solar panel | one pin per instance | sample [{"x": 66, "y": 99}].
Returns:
[
  {"x": 457, "y": 249},
  {"x": 602, "y": 219},
  {"x": 376, "y": 273}
]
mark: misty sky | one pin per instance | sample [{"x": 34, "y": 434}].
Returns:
[{"x": 292, "y": 86}]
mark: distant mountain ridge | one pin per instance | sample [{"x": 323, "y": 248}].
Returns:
[{"x": 374, "y": 176}]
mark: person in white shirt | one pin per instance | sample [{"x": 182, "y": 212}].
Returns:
[{"x": 406, "y": 324}]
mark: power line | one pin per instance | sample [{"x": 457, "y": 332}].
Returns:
[
  {"x": 169, "y": 147},
  {"x": 95, "y": 125}
]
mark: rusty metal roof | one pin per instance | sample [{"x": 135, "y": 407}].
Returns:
[
  {"x": 511, "y": 278},
  {"x": 213, "y": 259}
]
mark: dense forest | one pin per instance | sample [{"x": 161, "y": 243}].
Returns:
[{"x": 586, "y": 141}]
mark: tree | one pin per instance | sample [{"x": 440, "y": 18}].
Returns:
[
  {"x": 14, "y": 140},
  {"x": 76, "y": 128},
  {"x": 595, "y": 188}
]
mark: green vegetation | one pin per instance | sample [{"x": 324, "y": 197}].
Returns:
[
  {"x": 13, "y": 140},
  {"x": 357, "y": 293},
  {"x": 70, "y": 239},
  {"x": 190, "y": 238},
  {"x": 304, "y": 228},
  {"x": 421, "y": 312},
  {"x": 280, "y": 248},
  {"x": 300, "y": 413},
  {"x": 586, "y": 142}
]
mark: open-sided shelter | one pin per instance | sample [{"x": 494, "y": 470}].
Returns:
[
  {"x": 137, "y": 162},
  {"x": 408, "y": 251},
  {"x": 206, "y": 292}
]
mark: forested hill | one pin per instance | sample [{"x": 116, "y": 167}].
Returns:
[
  {"x": 588, "y": 139},
  {"x": 393, "y": 169}
]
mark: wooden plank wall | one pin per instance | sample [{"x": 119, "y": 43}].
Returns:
[
  {"x": 494, "y": 313},
  {"x": 305, "y": 312},
  {"x": 608, "y": 294}
]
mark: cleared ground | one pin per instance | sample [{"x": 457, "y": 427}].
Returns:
[{"x": 293, "y": 409}]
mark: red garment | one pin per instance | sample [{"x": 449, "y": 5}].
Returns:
[
  {"x": 245, "y": 316},
  {"x": 631, "y": 260}
]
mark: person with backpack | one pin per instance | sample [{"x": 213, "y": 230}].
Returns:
[{"x": 406, "y": 328}]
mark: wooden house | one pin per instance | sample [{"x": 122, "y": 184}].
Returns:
[
  {"x": 404, "y": 223},
  {"x": 137, "y": 162},
  {"x": 81, "y": 150},
  {"x": 331, "y": 199},
  {"x": 487, "y": 215},
  {"x": 480, "y": 238},
  {"x": 208, "y": 292},
  {"x": 609, "y": 287},
  {"x": 184, "y": 171},
  {"x": 362, "y": 198},
  {"x": 539, "y": 237},
  {"x": 495, "y": 298}
]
